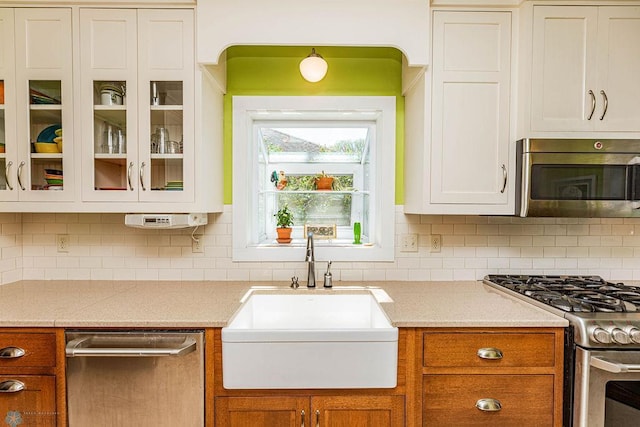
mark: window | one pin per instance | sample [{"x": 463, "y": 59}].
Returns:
[{"x": 283, "y": 145}]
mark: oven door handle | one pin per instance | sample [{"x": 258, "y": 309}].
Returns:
[{"x": 613, "y": 366}]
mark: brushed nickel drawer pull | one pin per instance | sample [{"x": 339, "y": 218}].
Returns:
[
  {"x": 489, "y": 353},
  {"x": 302, "y": 413},
  {"x": 489, "y": 405},
  {"x": 317, "y": 418},
  {"x": 504, "y": 178},
  {"x": 142, "y": 176},
  {"x": 11, "y": 386},
  {"x": 11, "y": 353},
  {"x": 129, "y": 175}
]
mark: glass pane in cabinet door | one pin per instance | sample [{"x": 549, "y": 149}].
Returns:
[
  {"x": 46, "y": 135},
  {"x": 166, "y": 145},
  {"x": 110, "y": 135}
]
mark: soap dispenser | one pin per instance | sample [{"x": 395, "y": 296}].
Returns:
[{"x": 328, "y": 278}]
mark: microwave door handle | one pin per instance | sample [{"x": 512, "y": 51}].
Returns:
[{"x": 613, "y": 366}]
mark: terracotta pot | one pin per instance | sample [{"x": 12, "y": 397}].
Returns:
[
  {"x": 324, "y": 183},
  {"x": 284, "y": 234}
]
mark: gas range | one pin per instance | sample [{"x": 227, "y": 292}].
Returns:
[{"x": 603, "y": 314}]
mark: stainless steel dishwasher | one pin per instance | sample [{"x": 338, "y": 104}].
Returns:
[{"x": 141, "y": 378}]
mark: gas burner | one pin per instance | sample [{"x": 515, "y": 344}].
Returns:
[{"x": 574, "y": 293}]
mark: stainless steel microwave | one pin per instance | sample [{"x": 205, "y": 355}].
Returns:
[{"x": 578, "y": 178}]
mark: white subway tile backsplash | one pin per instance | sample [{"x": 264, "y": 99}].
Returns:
[{"x": 102, "y": 248}]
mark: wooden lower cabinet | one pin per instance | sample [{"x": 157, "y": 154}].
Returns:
[
  {"x": 32, "y": 377},
  {"x": 32, "y": 401},
  {"x": 320, "y": 411},
  {"x": 517, "y": 371}
]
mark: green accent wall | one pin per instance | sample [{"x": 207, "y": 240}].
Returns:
[{"x": 273, "y": 70}]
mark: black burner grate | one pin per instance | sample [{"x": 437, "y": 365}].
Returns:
[{"x": 574, "y": 293}]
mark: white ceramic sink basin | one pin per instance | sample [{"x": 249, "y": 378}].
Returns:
[{"x": 310, "y": 340}]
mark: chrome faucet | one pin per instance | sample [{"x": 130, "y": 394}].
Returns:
[{"x": 310, "y": 258}]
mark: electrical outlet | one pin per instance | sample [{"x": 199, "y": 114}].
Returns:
[
  {"x": 409, "y": 243},
  {"x": 62, "y": 241},
  {"x": 197, "y": 246},
  {"x": 435, "y": 242}
]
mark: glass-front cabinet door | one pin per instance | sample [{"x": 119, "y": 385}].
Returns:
[
  {"x": 108, "y": 61},
  {"x": 166, "y": 77},
  {"x": 44, "y": 103},
  {"x": 137, "y": 83}
]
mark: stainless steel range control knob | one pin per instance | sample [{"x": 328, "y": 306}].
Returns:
[
  {"x": 601, "y": 336},
  {"x": 634, "y": 334},
  {"x": 619, "y": 336}
]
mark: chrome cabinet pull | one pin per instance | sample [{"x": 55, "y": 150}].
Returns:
[
  {"x": 11, "y": 353},
  {"x": 6, "y": 174},
  {"x": 20, "y": 175},
  {"x": 11, "y": 386},
  {"x": 489, "y": 353},
  {"x": 302, "y": 413},
  {"x": 317, "y": 418},
  {"x": 606, "y": 104},
  {"x": 593, "y": 104},
  {"x": 142, "y": 176},
  {"x": 129, "y": 175},
  {"x": 489, "y": 405},
  {"x": 504, "y": 178}
]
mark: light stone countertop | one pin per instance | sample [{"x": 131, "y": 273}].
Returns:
[{"x": 103, "y": 304}]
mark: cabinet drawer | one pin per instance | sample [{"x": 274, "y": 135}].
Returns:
[
  {"x": 460, "y": 349},
  {"x": 450, "y": 400},
  {"x": 34, "y": 405},
  {"x": 39, "y": 349}
]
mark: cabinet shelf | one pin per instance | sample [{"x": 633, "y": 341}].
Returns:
[
  {"x": 166, "y": 108},
  {"x": 46, "y": 156},
  {"x": 327, "y": 192},
  {"x": 167, "y": 156},
  {"x": 46, "y": 107}
]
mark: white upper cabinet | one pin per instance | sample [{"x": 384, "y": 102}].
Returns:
[
  {"x": 463, "y": 165},
  {"x": 42, "y": 152},
  {"x": 585, "y": 63},
  {"x": 8, "y": 147},
  {"x": 137, "y": 72}
]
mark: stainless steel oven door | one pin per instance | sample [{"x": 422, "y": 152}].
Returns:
[{"x": 595, "y": 370}]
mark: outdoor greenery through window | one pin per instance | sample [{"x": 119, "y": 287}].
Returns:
[{"x": 294, "y": 157}]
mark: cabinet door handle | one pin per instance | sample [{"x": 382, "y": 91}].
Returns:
[
  {"x": 20, "y": 175},
  {"x": 504, "y": 178},
  {"x": 489, "y": 353},
  {"x": 6, "y": 174},
  {"x": 11, "y": 386},
  {"x": 302, "y": 414},
  {"x": 489, "y": 405},
  {"x": 606, "y": 103},
  {"x": 142, "y": 176},
  {"x": 593, "y": 104},
  {"x": 11, "y": 353},
  {"x": 317, "y": 418},
  {"x": 129, "y": 175}
]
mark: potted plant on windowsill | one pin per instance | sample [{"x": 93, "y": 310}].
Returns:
[
  {"x": 324, "y": 182},
  {"x": 284, "y": 221}
]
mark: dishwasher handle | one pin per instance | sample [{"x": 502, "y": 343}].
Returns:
[{"x": 85, "y": 347}]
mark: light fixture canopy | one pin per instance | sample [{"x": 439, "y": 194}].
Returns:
[{"x": 313, "y": 68}]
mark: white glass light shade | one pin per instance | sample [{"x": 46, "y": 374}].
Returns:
[{"x": 313, "y": 68}]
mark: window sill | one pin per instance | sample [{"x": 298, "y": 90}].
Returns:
[{"x": 296, "y": 251}]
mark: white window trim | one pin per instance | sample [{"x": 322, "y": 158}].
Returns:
[{"x": 247, "y": 109}]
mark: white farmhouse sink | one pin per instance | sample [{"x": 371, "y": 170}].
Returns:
[{"x": 309, "y": 340}]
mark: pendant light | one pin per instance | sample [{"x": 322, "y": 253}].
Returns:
[{"x": 313, "y": 68}]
